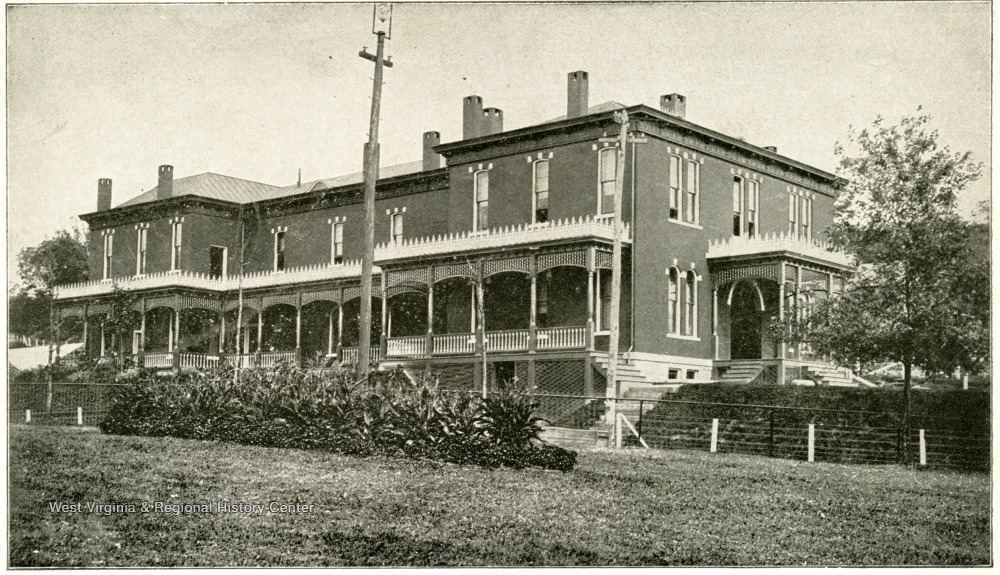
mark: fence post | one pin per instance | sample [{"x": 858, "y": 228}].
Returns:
[
  {"x": 639, "y": 429},
  {"x": 715, "y": 436},
  {"x": 812, "y": 442},
  {"x": 618, "y": 431},
  {"x": 27, "y": 416},
  {"x": 923, "y": 449},
  {"x": 79, "y": 416},
  {"x": 770, "y": 434}
]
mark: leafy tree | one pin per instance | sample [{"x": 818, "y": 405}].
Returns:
[
  {"x": 61, "y": 259},
  {"x": 921, "y": 293},
  {"x": 122, "y": 318}
]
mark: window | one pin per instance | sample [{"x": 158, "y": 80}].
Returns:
[
  {"x": 692, "y": 374},
  {"x": 279, "y": 251},
  {"x": 753, "y": 204},
  {"x": 675, "y": 187},
  {"x": 175, "y": 252},
  {"x": 673, "y": 301},
  {"x": 604, "y": 299},
  {"x": 793, "y": 216},
  {"x": 737, "y": 206},
  {"x": 541, "y": 191},
  {"x": 481, "y": 216},
  {"x": 691, "y": 208},
  {"x": 690, "y": 303},
  {"x": 672, "y": 373},
  {"x": 805, "y": 220},
  {"x": 608, "y": 175},
  {"x": 337, "y": 244},
  {"x": 140, "y": 251},
  {"x": 109, "y": 247},
  {"x": 397, "y": 228}
]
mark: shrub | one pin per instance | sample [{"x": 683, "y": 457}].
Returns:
[{"x": 326, "y": 409}]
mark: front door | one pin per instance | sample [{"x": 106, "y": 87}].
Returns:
[{"x": 746, "y": 316}]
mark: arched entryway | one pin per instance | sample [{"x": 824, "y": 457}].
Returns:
[
  {"x": 319, "y": 331},
  {"x": 407, "y": 314},
  {"x": 352, "y": 317},
  {"x": 747, "y": 317},
  {"x": 278, "y": 333},
  {"x": 507, "y": 301}
]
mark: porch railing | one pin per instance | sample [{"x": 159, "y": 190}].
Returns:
[
  {"x": 561, "y": 337},
  {"x": 351, "y": 354},
  {"x": 198, "y": 360},
  {"x": 407, "y": 346},
  {"x": 454, "y": 343},
  {"x": 271, "y": 358},
  {"x": 507, "y": 340},
  {"x": 158, "y": 359}
]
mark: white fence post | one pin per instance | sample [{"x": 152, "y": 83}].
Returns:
[
  {"x": 79, "y": 416},
  {"x": 618, "y": 431},
  {"x": 812, "y": 442},
  {"x": 27, "y": 416},
  {"x": 923, "y": 449},
  {"x": 715, "y": 436}
]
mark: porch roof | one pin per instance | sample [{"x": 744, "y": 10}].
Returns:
[{"x": 777, "y": 246}]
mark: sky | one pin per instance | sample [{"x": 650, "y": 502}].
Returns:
[{"x": 260, "y": 91}]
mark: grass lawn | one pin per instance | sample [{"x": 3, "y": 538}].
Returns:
[{"x": 616, "y": 508}]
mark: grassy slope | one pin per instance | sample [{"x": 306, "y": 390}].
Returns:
[{"x": 615, "y": 508}]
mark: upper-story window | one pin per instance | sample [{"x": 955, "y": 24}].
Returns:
[
  {"x": 481, "y": 219},
  {"x": 279, "y": 251},
  {"x": 608, "y": 176},
  {"x": 691, "y": 209},
  {"x": 541, "y": 197},
  {"x": 109, "y": 248},
  {"x": 737, "y": 205},
  {"x": 800, "y": 217},
  {"x": 753, "y": 205},
  {"x": 337, "y": 243},
  {"x": 176, "y": 237},
  {"x": 675, "y": 187},
  {"x": 397, "y": 228},
  {"x": 140, "y": 250}
]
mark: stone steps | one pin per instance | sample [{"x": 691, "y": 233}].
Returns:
[{"x": 741, "y": 373}]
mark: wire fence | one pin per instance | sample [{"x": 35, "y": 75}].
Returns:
[{"x": 806, "y": 434}]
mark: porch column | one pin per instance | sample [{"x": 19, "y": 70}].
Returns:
[
  {"x": 715, "y": 322},
  {"x": 102, "y": 340},
  {"x": 781, "y": 309},
  {"x": 533, "y": 316},
  {"x": 590, "y": 303},
  {"x": 222, "y": 329},
  {"x": 298, "y": 331},
  {"x": 429, "y": 343},
  {"x": 86, "y": 349},
  {"x": 260, "y": 326},
  {"x": 798, "y": 290},
  {"x": 340, "y": 327},
  {"x": 177, "y": 331},
  {"x": 479, "y": 329},
  {"x": 383, "y": 341},
  {"x": 329, "y": 333},
  {"x": 142, "y": 333}
]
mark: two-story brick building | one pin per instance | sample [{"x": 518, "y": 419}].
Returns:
[{"x": 722, "y": 236}]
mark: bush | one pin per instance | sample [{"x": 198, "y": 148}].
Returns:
[{"x": 325, "y": 409}]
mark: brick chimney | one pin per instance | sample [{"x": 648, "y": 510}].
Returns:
[
  {"x": 165, "y": 187},
  {"x": 432, "y": 160},
  {"x": 492, "y": 121},
  {"x": 674, "y": 104},
  {"x": 577, "y": 92},
  {"x": 103, "y": 194},
  {"x": 472, "y": 117}
]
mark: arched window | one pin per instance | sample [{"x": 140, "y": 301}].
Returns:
[
  {"x": 691, "y": 207},
  {"x": 691, "y": 304},
  {"x": 541, "y": 195},
  {"x": 673, "y": 302},
  {"x": 481, "y": 214}
]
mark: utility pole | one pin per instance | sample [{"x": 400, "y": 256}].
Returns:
[
  {"x": 382, "y": 28},
  {"x": 621, "y": 117}
]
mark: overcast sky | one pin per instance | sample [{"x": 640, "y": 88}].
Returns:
[{"x": 260, "y": 91}]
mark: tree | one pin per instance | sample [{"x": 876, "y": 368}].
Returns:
[
  {"x": 61, "y": 259},
  {"x": 921, "y": 293}
]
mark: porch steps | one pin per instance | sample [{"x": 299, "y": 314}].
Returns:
[
  {"x": 831, "y": 376},
  {"x": 743, "y": 372},
  {"x": 626, "y": 373},
  {"x": 576, "y": 439},
  {"x": 648, "y": 392}
]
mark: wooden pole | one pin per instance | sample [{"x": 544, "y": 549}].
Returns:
[
  {"x": 616, "y": 265},
  {"x": 370, "y": 177}
]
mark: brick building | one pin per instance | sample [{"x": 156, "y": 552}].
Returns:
[{"x": 722, "y": 236}]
